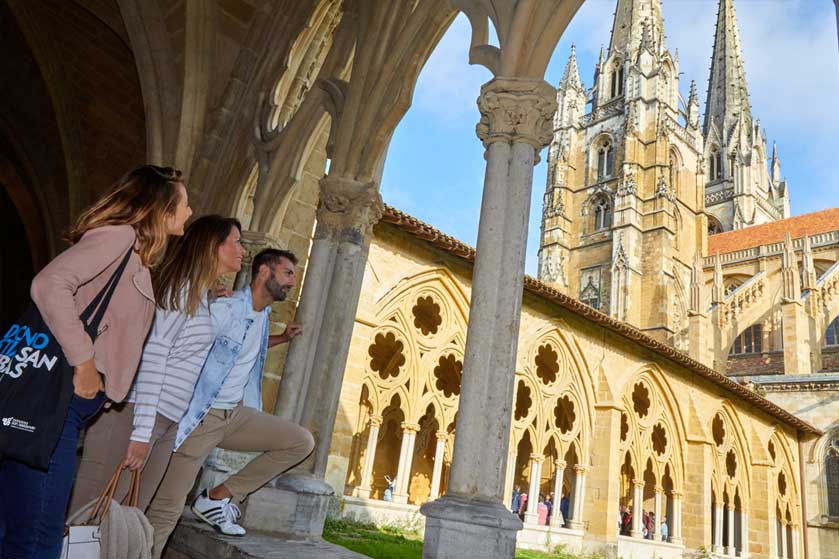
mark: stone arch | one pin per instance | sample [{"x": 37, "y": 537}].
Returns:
[
  {"x": 828, "y": 474},
  {"x": 601, "y": 159},
  {"x": 732, "y": 440}
]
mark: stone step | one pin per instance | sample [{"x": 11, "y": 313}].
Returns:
[{"x": 195, "y": 540}]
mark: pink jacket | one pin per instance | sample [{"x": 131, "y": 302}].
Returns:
[{"x": 66, "y": 285}]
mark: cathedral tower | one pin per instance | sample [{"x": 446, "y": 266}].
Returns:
[
  {"x": 739, "y": 190},
  {"x": 624, "y": 201}
]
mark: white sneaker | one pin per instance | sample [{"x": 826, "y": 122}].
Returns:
[{"x": 220, "y": 514}]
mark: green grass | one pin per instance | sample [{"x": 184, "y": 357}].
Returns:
[{"x": 392, "y": 543}]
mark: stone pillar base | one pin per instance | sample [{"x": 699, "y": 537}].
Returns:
[
  {"x": 531, "y": 518},
  {"x": 401, "y": 499},
  {"x": 462, "y": 528},
  {"x": 362, "y": 493},
  {"x": 293, "y": 504}
]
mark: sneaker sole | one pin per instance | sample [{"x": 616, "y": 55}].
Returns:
[{"x": 215, "y": 526}]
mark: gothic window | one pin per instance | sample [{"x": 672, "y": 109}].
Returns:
[
  {"x": 749, "y": 341},
  {"x": 831, "y": 472},
  {"x": 605, "y": 160},
  {"x": 831, "y": 337},
  {"x": 616, "y": 78},
  {"x": 602, "y": 214},
  {"x": 716, "y": 164}
]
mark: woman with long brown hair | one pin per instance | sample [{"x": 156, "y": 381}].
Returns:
[
  {"x": 141, "y": 434},
  {"x": 129, "y": 227}
]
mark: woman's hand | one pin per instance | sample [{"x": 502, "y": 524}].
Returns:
[
  {"x": 135, "y": 456},
  {"x": 87, "y": 381}
]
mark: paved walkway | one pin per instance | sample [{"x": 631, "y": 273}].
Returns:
[{"x": 196, "y": 540}]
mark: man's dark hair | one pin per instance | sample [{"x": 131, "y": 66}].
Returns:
[{"x": 271, "y": 257}]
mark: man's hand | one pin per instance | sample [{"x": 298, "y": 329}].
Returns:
[
  {"x": 135, "y": 456},
  {"x": 87, "y": 381},
  {"x": 292, "y": 330}
]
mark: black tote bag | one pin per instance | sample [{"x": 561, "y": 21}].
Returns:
[{"x": 36, "y": 381}]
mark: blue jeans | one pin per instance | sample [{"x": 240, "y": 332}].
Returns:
[{"x": 33, "y": 503}]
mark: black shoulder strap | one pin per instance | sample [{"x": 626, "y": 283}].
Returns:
[{"x": 100, "y": 303}]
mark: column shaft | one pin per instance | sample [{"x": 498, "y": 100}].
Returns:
[
  {"x": 784, "y": 547},
  {"x": 403, "y": 476},
  {"x": 576, "y": 521},
  {"x": 675, "y": 524},
  {"x": 731, "y": 548},
  {"x": 369, "y": 459},
  {"x": 532, "y": 515},
  {"x": 557, "y": 521},
  {"x": 637, "y": 510},
  {"x": 795, "y": 544},
  {"x": 657, "y": 524},
  {"x": 510, "y": 480},
  {"x": 470, "y": 520},
  {"x": 717, "y": 537},
  {"x": 436, "y": 476}
]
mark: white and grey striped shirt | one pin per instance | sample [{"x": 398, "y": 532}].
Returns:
[{"x": 173, "y": 356}]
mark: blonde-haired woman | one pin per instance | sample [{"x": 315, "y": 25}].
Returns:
[
  {"x": 135, "y": 218},
  {"x": 142, "y": 433}
]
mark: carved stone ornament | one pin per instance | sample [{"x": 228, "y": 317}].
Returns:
[
  {"x": 348, "y": 207},
  {"x": 662, "y": 190},
  {"x": 628, "y": 186},
  {"x": 516, "y": 110}
]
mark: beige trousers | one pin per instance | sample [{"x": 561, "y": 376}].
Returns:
[
  {"x": 105, "y": 445},
  {"x": 284, "y": 444}
]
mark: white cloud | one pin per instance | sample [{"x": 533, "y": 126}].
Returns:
[{"x": 448, "y": 86}]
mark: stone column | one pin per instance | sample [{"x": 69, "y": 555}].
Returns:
[
  {"x": 784, "y": 547},
  {"x": 557, "y": 521},
  {"x": 511, "y": 474},
  {"x": 439, "y": 456},
  {"x": 470, "y": 520},
  {"x": 637, "y": 509},
  {"x": 406, "y": 457},
  {"x": 532, "y": 514},
  {"x": 717, "y": 537},
  {"x": 731, "y": 549},
  {"x": 659, "y": 491},
  {"x": 576, "y": 522},
  {"x": 675, "y": 523},
  {"x": 795, "y": 544},
  {"x": 363, "y": 490},
  {"x": 314, "y": 370}
]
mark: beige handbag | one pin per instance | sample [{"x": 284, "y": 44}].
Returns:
[{"x": 111, "y": 530}]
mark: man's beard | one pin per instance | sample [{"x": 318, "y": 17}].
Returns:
[{"x": 277, "y": 291}]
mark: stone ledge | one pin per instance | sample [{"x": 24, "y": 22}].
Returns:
[{"x": 195, "y": 540}]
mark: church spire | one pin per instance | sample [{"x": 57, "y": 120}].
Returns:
[
  {"x": 629, "y": 23},
  {"x": 728, "y": 96},
  {"x": 571, "y": 76}
]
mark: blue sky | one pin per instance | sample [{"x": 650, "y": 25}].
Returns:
[{"x": 435, "y": 165}]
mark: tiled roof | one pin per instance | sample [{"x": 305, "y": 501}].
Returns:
[
  {"x": 451, "y": 245},
  {"x": 799, "y": 226}
]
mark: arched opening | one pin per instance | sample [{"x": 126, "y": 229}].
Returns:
[
  {"x": 521, "y": 477},
  {"x": 602, "y": 213},
  {"x": 627, "y": 487},
  {"x": 386, "y": 462},
  {"x": 422, "y": 466},
  {"x": 605, "y": 154},
  {"x": 714, "y": 225},
  {"x": 715, "y": 164}
]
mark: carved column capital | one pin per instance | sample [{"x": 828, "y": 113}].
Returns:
[
  {"x": 516, "y": 110},
  {"x": 348, "y": 208},
  {"x": 537, "y": 458},
  {"x": 375, "y": 420},
  {"x": 441, "y": 435},
  {"x": 410, "y": 427}
]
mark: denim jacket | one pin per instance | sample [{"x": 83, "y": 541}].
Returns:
[{"x": 231, "y": 316}]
